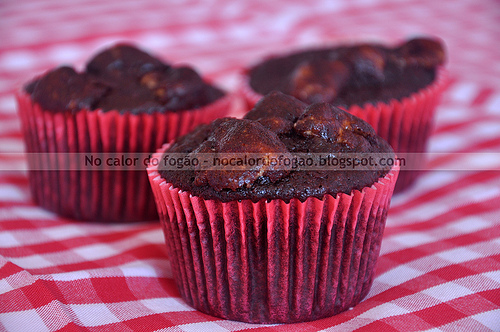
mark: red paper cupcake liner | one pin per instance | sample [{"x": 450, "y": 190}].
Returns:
[
  {"x": 107, "y": 195},
  {"x": 405, "y": 124},
  {"x": 272, "y": 261}
]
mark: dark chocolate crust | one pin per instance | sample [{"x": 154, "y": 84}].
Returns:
[
  {"x": 126, "y": 79},
  {"x": 279, "y": 125},
  {"x": 351, "y": 75}
]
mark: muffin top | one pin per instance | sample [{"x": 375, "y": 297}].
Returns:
[
  {"x": 281, "y": 149},
  {"x": 126, "y": 79},
  {"x": 351, "y": 74}
]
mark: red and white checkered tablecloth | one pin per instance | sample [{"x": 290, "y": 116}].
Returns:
[{"x": 439, "y": 268}]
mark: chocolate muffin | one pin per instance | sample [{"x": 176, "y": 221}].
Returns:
[
  {"x": 125, "y": 101},
  {"x": 270, "y": 242},
  {"x": 395, "y": 89}
]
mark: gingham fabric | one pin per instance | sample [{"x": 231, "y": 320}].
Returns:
[{"x": 439, "y": 268}]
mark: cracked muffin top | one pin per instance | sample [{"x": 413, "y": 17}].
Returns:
[
  {"x": 126, "y": 79},
  {"x": 351, "y": 74},
  {"x": 282, "y": 149}
]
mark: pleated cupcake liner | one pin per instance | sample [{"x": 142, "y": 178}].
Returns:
[
  {"x": 405, "y": 124},
  {"x": 273, "y": 261},
  {"x": 99, "y": 195}
]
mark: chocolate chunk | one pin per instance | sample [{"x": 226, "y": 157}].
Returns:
[
  {"x": 123, "y": 60},
  {"x": 64, "y": 89},
  {"x": 322, "y": 120},
  {"x": 239, "y": 139},
  {"x": 277, "y": 112},
  {"x": 334, "y": 125},
  {"x": 422, "y": 52},
  {"x": 367, "y": 64},
  {"x": 182, "y": 88},
  {"x": 318, "y": 80}
]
